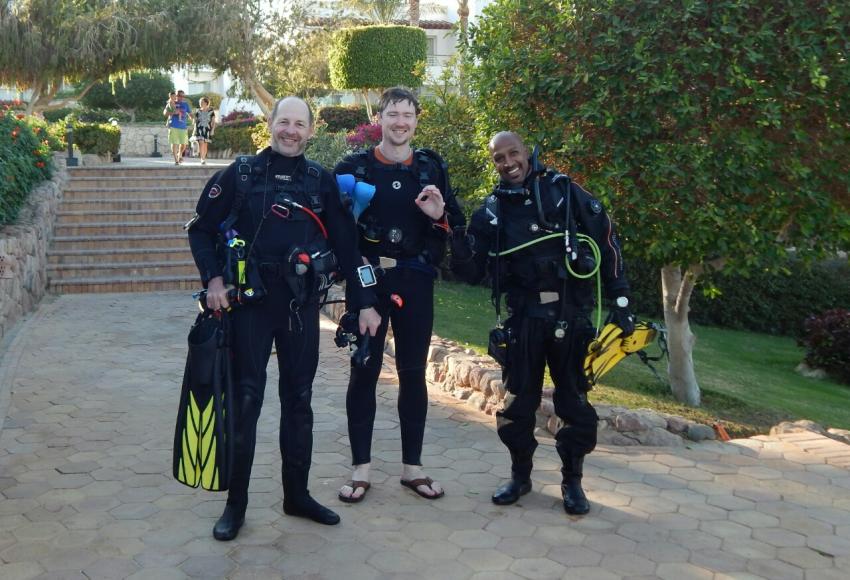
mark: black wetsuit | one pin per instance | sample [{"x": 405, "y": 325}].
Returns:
[
  {"x": 394, "y": 227},
  {"x": 283, "y": 317},
  {"x": 541, "y": 297}
]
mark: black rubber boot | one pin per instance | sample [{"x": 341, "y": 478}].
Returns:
[
  {"x": 518, "y": 486},
  {"x": 575, "y": 502},
  {"x": 510, "y": 492},
  {"x": 298, "y": 502},
  {"x": 227, "y": 526}
]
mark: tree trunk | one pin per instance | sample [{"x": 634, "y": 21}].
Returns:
[
  {"x": 676, "y": 289},
  {"x": 264, "y": 98},
  {"x": 368, "y": 103},
  {"x": 463, "y": 19},
  {"x": 413, "y": 12}
]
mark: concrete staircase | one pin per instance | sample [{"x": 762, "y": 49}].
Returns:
[{"x": 120, "y": 229}]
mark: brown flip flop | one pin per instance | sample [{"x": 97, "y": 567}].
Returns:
[
  {"x": 426, "y": 481},
  {"x": 355, "y": 485}
]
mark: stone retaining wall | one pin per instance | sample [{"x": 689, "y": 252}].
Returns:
[
  {"x": 137, "y": 139},
  {"x": 23, "y": 250},
  {"x": 476, "y": 379}
]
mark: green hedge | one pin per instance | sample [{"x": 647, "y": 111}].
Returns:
[
  {"x": 343, "y": 118},
  {"x": 26, "y": 161},
  {"x": 776, "y": 303},
  {"x": 377, "y": 57},
  {"x": 97, "y": 138},
  {"x": 237, "y": 138}
]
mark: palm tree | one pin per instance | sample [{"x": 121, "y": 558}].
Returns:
[
  {"x": 413, "y": 12},
  {"x": 381, "y": 11}
]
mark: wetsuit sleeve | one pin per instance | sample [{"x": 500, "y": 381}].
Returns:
[
  {"x": 479, "y": 241},
  {"x": 342, "y": 232},
  {"x": 595, "y": 222},
  {"x": 212, "y": 209}
]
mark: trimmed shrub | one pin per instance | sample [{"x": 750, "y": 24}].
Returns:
[
  {"x": 827, "y": 343},
  {"x": 343, "y": 118},
  {"x": 97, "y": 138},
  {"x": 234, "y": 136},
  {"x": 770, "y": 302},
  {"x": 54, "y": 115},
  {"x": 101, "y": 115},
  {"x": 377, "y": 57},
  {"x": 26, "y": 161}
]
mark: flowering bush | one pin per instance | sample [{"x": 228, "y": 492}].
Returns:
[
  {"x": 234, "y": 118},
  {"x": 26, "y": 160},
  {"x": 364, "y": 136},
  {"x": 827, "y": 343}
]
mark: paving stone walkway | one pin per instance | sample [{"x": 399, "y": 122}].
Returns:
[{"x": 88, "y": 389}]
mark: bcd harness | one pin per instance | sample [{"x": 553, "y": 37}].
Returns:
[
  {"x": 405, "y": 249},
  {"x": 309, "y": 270},
  {"x": 609, "y": 347}
]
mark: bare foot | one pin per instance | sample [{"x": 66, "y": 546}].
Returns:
[{"x": 360, "y": 475}]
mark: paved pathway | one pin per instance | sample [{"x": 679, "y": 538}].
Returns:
[{"x": 88, "y": 388}]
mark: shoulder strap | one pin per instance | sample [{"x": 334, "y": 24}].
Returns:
[
  {"x": 427, "y": 158},
  {"x": 312, "y": 185},
  {"x": 360, "y": 161},
  {"x": 244, "y": 175}
]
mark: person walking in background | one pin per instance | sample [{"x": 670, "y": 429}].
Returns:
[
  {"x": 204, "y": 127},
  {"x": 170, "y": 108},
  {"x": 178, "y": 136}
]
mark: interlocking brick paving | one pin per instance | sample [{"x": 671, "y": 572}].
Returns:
[{"x": 88, "y": 389}]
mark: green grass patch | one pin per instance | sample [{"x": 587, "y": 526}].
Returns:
[{"x": 747, "y": 379}]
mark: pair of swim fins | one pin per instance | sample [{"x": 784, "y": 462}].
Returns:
[
  {"x": 203, "y": 438},
  {"x": 610, "y": 347}
]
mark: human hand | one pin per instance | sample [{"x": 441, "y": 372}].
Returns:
[
  {"x": 430, "y": 201},
  {"x": 217, "y": 294},
  {"x": 623, "y": 317},
  {"x": 369, "y": 320}
]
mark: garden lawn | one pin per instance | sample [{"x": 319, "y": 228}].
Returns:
[{"x": 747, "y": 380}]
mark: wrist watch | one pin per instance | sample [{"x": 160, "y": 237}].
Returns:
[{"x": 622, "y": 302}]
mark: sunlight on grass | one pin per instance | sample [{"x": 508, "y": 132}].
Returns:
[{"x": 747, "y": 379}]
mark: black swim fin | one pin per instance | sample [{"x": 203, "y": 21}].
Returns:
[{"x": 203, "y": 438}]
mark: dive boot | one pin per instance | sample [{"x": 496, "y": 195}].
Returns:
[
  {"x": 518, "y": 486},
  {"x": 227, "y": 526},
  {"x": 306, "y": 507},
  {"x": 575, "y": 502},
  {"x": 298, "y": 502},
  {"x": 510, "y": 492}
]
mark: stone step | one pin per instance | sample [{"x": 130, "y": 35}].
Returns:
[
  {"x": 126, "y": 284},
  {"x": 143, "y": 182},
  {"x": 112, "y": 270},
  {"x": 97, "y": 256},
  {"x": 130, "y": 192},
  {"x": 167, "y": 170},
  {"x": 117, "y": 228},
  {"x": 123, "y": 216},
  {"x": 187, "y": 204},
  {"x": 178, "y": 241}
]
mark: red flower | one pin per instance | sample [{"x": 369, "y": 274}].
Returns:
[
  {"x": 20, "y": 116},
  {"x": 39, "y": 164}
]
